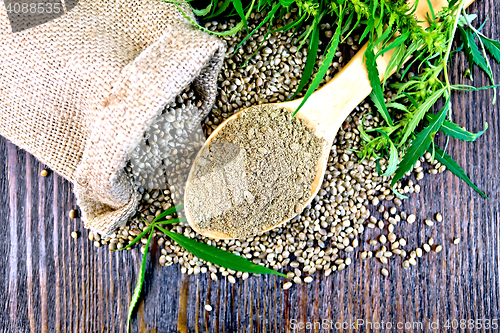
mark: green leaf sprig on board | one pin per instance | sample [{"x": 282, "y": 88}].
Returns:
[
  {"x": 202, "y": 251},
  {"x": 386, "y": 25},
  {"x": 431, "y": 49}
]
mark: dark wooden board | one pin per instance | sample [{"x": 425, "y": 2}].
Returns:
[{"x": 51, "y": 283}]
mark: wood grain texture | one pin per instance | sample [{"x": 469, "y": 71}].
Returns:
[{"x": 51, "y": 283}]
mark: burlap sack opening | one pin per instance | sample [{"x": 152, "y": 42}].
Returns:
[{"x": 80, "y": 91}]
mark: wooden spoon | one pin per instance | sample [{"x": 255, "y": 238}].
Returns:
[{"x": 326, "y": 110}]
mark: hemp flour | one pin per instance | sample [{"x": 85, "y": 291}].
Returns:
[{"x": 256, "y": 172}]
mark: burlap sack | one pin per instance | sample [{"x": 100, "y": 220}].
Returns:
[{"x": 79, "y": 91}]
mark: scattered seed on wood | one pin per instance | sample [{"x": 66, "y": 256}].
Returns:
[
  {"x": 439, "y": 217},
  {"x": 392, "y": 237},
  {"x": 382, "y": 239},
  {"x": 208, "y": 307},
  {"x": 74, "y": 234},
  {"x": 384, "y": 272},
  {"x": 44, "y": 173},
  {"x": 456, "y": 241},
  {"x": 411, "y": 218}
]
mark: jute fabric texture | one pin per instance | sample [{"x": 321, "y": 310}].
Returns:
[{"x": 80, "y": 91}]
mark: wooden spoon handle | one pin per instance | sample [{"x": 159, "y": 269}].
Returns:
[{"x": 328, "y": 107}]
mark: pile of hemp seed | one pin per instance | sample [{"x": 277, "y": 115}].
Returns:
[{"x": 353, "y": 196}]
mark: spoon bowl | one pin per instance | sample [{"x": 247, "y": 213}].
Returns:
[{"x": 315, "y": 186}]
